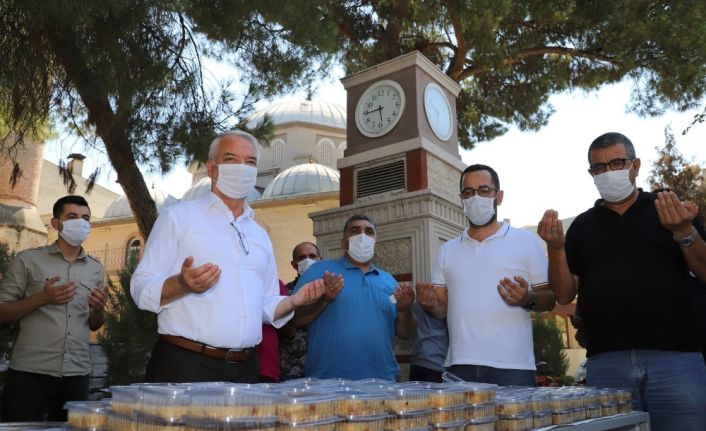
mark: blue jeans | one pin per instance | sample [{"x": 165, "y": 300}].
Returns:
[
  {"x": 670, "y": 386},
  {"x": 498, "y": 376}
]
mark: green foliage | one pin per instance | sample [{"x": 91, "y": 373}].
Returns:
[
  {"x": 129, "y": 77},
  {"x": 510, "y": 56},
  {"x": 8, "y": 330},
  {"x": 548, "y": 345},
  {"x": 672, "y": 170},
  {"x": 129, "y": 333}
]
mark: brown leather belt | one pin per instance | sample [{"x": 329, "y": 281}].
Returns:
[{"x": 227, "y": 355}]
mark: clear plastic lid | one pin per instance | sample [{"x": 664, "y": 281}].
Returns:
[
  {"x": 145, "y": 421},
  {"x": 449, "y": 425},
  {"x": 227, "y": 424},
  {"x": 327, "y": 423}
]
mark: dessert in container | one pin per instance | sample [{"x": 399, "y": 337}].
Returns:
[
  {"x": 446, "y": 395},
  {"x": 360, "y": 403},
  {"x": 516, "y": 422},
  {"x": 362, "y": 423},
  {"x": 306, "y": 406},
  {"x": 405, "y": 400},
  {"x": 408, "y": 421},
  {"x": 168, "y": 403},
  {"x": 443, "y": 415},
  {"x": 562, "y": 417},
  {"x": 541, "y": 419},
  {"x": 87, "y": 415},
  {"x": 126, "y": 399},
  {"x": 119, "y": 422},
  {"x": 482, "y": 424},
  {"x": 478, "y": 411}
]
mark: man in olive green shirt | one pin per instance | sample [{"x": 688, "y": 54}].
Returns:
[{"x": 56, "y": 293}]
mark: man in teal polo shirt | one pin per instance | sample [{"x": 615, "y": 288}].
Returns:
[{"x": 352, "y": 328}]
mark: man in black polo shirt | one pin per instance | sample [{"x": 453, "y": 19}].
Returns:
[{"x": 629, "y": 259}]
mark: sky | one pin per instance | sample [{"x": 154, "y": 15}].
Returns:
[{"x": 537, "y": 170}]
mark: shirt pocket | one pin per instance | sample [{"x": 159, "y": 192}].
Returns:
[
  {"x": 34, "y": 287},
  {"x": 80, "y": 301}
]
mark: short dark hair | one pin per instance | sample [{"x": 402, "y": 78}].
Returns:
[
  {"x": 294, "y": 250},
  {"x": 70, "y": 199},
  {"x": 357, "y": 217},
  {"x": 478, "y": 167},
  {"x": 608, "y": 140}
]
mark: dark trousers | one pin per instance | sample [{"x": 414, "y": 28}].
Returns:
[
  {"x": 424, "y": 374},
  {"x": 172, "y": 364},
  {"x": 31, "y": 397},
  {"x": 498, "y": 376}
]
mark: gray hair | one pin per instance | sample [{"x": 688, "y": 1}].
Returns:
[
  {"x": 234, "y": 133},
  {"x": 608, "y": 140}
]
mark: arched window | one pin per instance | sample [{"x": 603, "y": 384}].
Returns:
[
  {"x": 276, "y": 149},
  {"x": 325, "y": 147},
  {"x": 133, "y": 250}
]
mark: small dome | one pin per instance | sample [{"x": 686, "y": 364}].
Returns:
[
  {"x": 304, "y": 111},
  {"x": 203, "y": 186},
  {"x": 304, "y": 179},
  {"x": 121, "y": 207}
]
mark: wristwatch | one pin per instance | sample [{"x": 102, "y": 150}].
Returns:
[
  {"x": 686, "y": 241},
  {"x": 532, "y": 302}
]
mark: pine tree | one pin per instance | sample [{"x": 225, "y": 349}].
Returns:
[
  {"x": 673, "y": 171},
  {"x": 549, "y": 346},
  {"x": 129, "y": 333}
]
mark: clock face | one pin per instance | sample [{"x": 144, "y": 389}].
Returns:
[
  {"x": 379, "y": 108},
  {"x": 438, "y": 111}
]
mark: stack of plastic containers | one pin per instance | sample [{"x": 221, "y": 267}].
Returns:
[{"x": 409, "y": 409}]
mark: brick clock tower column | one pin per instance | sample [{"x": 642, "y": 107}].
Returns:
[{"x": 401, "y": 167}]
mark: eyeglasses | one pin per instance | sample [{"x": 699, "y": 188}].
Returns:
[
  {"x": 241, "y": 239},
  {"x": 484, "y": 191},
  {"x": 615, "y": 165}
]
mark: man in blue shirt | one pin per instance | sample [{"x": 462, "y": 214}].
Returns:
[{"x": 352, "y": 327}]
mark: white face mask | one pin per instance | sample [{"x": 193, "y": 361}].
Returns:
[
  {"x": 236, "y": 180},
  {"x": 479, "y": 210},
  {"x": 614, "y": 186},
  {"x": 304, "y": 264},
  {"x": 75, "y": 231},
  {"x": 361, "y": 247}
]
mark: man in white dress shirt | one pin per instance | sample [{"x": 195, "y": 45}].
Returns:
[{"x": 209, "y": 272}]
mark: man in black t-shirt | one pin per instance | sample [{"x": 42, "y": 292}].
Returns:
[{"x": 629, "y": 259}]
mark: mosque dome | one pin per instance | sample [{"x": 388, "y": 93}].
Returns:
[
  {"x": 121, "y": 207},
  {"x": 303, "y": 111},
  {"x": 303, "y": 179},
  {"x": 203, "y": 186}
]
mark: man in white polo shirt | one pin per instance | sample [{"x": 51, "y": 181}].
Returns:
[{"x": 486, "y": 282}]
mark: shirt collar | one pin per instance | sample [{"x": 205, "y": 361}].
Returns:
[
  {"x": 347, "y": 264},
  {"x": 213, "y": 201},
  {"x": 641, "y": 197},
  {"x": 502, "y": 231},
  {"x": 54, "y": 249}
]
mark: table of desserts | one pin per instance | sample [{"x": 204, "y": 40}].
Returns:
[{"x": 362, "y": 405}]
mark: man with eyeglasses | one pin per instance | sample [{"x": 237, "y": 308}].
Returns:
[
  {"x": 209, "y": 272},
  {"x": 485, "y": 283},
  {"x": 628, "y": 258}
]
